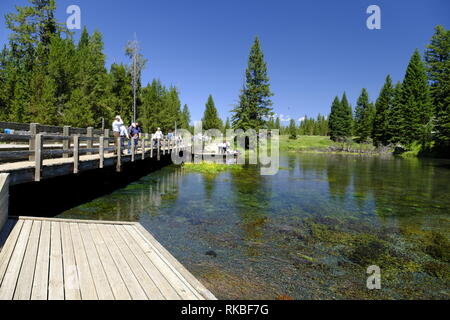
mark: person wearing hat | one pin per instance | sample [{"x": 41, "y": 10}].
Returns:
[
  {"x": 158, "y": 135},
  {"x": 116, "y": 127}
]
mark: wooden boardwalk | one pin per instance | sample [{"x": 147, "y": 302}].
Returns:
[{"x": 59, "y": 259}]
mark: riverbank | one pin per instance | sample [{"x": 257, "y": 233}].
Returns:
[{"x": 321, "y": 144}]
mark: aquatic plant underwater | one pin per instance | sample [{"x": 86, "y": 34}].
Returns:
[{"x": 309, "y": 232}]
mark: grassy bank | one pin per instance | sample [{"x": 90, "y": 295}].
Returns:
[
  {"x": 324, "y": 144},
  {"x": 305, "y": 143}
]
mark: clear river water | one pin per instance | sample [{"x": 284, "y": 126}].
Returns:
[{"x": 309, "y": 232}]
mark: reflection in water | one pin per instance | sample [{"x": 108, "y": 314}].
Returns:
[{"x": 309, "y": 232}]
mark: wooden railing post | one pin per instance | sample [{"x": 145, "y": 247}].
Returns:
[
  {"x": 133, "y": 149},
  {"x": 107, "y": 136},
  {"x": 90, "y": 142},
  {"x": 76, "y": 153},
  {"x": 143, "y": 147},
  {"x": 119, "y": 155},
  {"x": 32, "y": 144},
  {"x": 66, "y": 142},
  {"x": 152, "y": 147},
  {"x": 158, "y": 149},
  {"x": 102, "y": 151},
  {"x": 38, "y": 157}
]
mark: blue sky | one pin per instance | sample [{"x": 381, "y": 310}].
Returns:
[{"x": 314, "y": 49}]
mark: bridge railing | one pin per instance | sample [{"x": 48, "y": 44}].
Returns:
[
  {"x": 22, "y": 139},
  {"x": 36, "y": 143}
]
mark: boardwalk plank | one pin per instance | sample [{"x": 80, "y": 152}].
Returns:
[
  {"x": 56, "y": 274},
  {"x": 133, "y": 285},
  {"x": 102, "y": 286},
  {"x": 7, "y": 228},
  {"x": 175, "y": 264},
  {"x": 57, "y": 259},
  {"x": 26, "y": 275},
  {"x": 8, "y": 248},
  {"x": 40, "y": 282},
  {"x": 8, "y": 285},
  {"x": 151, "y": 290},
  {"x": 87, "y": 285},
  {"x": 112, "y": 272},
  {"x": 175, "y": 277},
  {"x": 158, "y": 278},
  {"x": 71, "y": 282}
]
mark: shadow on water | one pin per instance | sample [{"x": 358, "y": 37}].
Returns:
[{"x": 49, "y": 198}]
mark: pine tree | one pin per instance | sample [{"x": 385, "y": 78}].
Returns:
[
  {"x": 395, "y": 115},
  {"x": 278, "y": 124},
  {"x": 120, "y": 93},
  {"x": 42, "y": 107},
  {"x": 254, "y": 103},
  {"x": 335, "y": 121},
  {"x": 437, "y": 57},
  {"x": 292, "y": 130},
  {"x": 92, "y": 77},
  {"x": 211, "y": 118},
  {"x": 364, "y": 115},
  {"x": 270, "y": 123},
  {"x": 347, "y": 117},
  {"x": 185, "y": 118},
  {"x": 415, "y": 101},
  {"x": 383, "y": 104},
  {"x": 78, "y": 112},
  {"x": 341, "y": 119},
  {"x": 227, "y": 125}
]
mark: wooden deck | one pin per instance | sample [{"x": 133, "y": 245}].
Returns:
[{"x": 59, "y": 259}]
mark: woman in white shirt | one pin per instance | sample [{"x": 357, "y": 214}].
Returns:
[{"x": 116, "y": 126}]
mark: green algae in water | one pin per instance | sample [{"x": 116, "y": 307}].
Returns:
[
  {"x": 309, "y": 232},
  {"x": 211, "y": 168}
]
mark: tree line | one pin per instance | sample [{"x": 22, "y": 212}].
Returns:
[
  {"x": 415, "y": 111},
  {"x": 47, "y": 77}
]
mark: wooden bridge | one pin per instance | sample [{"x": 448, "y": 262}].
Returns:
[
  {"x": 62, "y": 259},
  {"x": 33, "y": 152}
]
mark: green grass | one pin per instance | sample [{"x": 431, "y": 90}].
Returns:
[
  {"x": 305, "y": 143},
  {"x": 211, "y": 168},
  {"x": 324, "y": 144}
]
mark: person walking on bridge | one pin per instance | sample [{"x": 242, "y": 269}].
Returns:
[
  {"x": 135, "y": 134},
  {"x": 123, "y": 134},
  {"x": 158, "y": 135},
  {"x": 116, "y": 127}
]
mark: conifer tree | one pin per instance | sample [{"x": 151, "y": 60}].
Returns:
[
  {"x": 415, "y": 101},
  {"x": 347, "y": 117},
  {"x": 292, "y": 130},
  {"x": 383, "y": 104},
  {"x": 278, "y": 124},
  {"x": 395, "y": 115},
  {"x": 185, "y": 118},
  {"x": 227, "y": 125},
  {"x": 211, "y": 118},
  {"x": 437, "y": 57},
  {"x": 363, "y": 117},
  {"x": 254, "y": 103},
  {"x": 335, "y": 121}
]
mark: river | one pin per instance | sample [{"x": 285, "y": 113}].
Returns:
[{"x": 309, "y": 232}]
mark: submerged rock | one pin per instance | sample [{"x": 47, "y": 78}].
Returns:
[{"x": 211, "y": 253}]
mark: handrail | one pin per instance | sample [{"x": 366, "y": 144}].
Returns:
[{"x": 76, "y": 142}]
